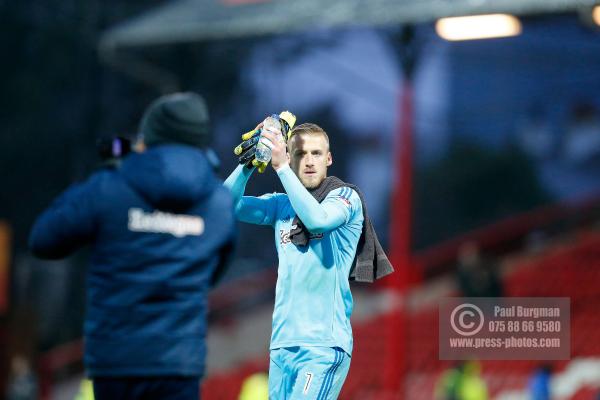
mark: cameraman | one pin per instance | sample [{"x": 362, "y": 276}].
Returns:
[{"x": 161, "y": 226}]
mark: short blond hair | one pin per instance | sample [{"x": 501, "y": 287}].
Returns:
[{"x": 309, "y": 128}]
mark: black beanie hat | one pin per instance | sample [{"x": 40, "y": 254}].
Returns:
[{"x": 176, "y": 118}]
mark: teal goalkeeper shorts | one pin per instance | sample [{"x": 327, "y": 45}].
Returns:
[{"x": 307, "y": 373}]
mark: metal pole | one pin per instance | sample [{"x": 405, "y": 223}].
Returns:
[{"x": 401, "y": 223}]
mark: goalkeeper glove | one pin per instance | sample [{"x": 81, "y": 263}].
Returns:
[{"x": 247, "y": 149}]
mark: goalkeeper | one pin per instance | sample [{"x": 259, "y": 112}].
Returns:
[{"x": 321, "y": 234}]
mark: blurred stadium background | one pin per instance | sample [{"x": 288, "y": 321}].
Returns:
[{"x": 489, "y": 144}]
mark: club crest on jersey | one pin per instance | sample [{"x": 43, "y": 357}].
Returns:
[{"x": 284, "y": 236}]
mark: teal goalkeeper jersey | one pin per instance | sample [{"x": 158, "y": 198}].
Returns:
[{"x": 313, "y": 302}]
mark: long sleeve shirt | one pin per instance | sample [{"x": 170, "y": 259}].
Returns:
[{"x": 313, "y": 302}]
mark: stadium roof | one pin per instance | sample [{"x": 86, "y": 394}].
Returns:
[{"x": 200, "y": 20}]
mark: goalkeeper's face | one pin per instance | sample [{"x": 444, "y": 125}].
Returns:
[{"x": 309, "y": 158}]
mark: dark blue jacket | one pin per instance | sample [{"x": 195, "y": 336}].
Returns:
[{"x": 161, "y": 227}]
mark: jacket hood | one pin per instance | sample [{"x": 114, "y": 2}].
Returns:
[{"x": 170, "y": 177}]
